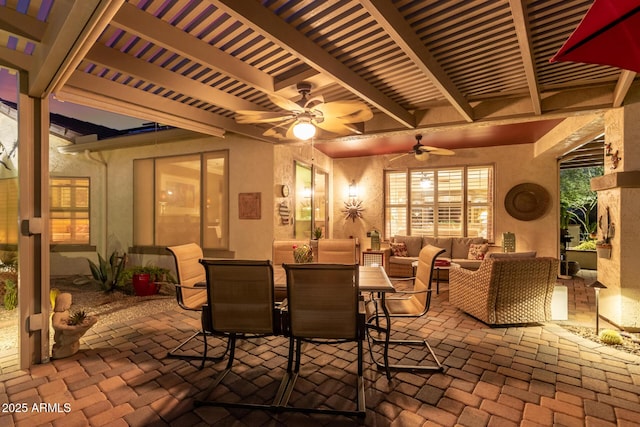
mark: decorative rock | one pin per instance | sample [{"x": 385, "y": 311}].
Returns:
[{"x": 67, "y": 337}]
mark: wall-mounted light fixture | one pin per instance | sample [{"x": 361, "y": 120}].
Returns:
[
  {"x": 353, "y": 189},
  {"x": 353, "y": 208}
]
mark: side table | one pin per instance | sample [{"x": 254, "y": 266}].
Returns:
[{"x": 373, "y": 258}]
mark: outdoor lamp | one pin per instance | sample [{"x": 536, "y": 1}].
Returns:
[
  {"x": 353, "y": 189},
  {"x": 304, "y": 129},
  {"x": 597, "y": 286}
]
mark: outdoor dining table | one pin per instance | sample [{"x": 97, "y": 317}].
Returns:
[{"x": 370, "y": 279}]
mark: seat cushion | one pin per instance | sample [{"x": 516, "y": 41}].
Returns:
[
  {"x": 512, "y": 255},
  {"x": 469, "y": 264},
  {"x": 405, "y": 260}
]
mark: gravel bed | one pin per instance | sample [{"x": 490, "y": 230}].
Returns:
[
  {"x": 630, "y": 342},
  {"x": 109, "y": 307}
]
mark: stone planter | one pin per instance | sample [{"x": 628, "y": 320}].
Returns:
[
  {"x": 67, "y": 337},
  {"x": 587, "y": 259}
]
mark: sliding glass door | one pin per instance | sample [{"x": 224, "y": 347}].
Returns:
[{"x": 311, "y": 201}]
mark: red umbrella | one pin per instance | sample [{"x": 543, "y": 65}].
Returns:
[{"x": 609, "y": 34}]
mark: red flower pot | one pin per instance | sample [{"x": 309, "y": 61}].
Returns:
[{"x": 142, "y": 285}]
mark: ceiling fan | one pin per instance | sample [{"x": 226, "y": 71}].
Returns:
[
  {"x": 303, "y": 116},
  {"x": 422, "y": 152}
]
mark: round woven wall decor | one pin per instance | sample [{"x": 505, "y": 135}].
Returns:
[{"x": 527, "y": 201}]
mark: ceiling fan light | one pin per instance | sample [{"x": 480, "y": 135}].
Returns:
[
  {"x": 422, "y": 157},
  {"x": 304, "y": 130}
]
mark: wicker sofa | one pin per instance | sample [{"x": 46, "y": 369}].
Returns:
[
  {"x": 456, "y": 250},
  {"x": 506, "y": 290}
]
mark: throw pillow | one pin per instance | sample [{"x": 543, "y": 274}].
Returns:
[
  {"x": 477, "y": 251},
  {"x": 399, "y": 249}
]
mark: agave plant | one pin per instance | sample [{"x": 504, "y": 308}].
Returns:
[
  {"x": 108, "y": 272},
  {"x": 77, "y": 318}
]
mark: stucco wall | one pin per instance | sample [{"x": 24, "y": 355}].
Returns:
[
  {"x": 250, "y": 170},
  {"x": 285, "y": 156},
  {"x": 260, "y": 167},
  {"x": 514, "y": 165},
  {"x": 620, "y": 302}
]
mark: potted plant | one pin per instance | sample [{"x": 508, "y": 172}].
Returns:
[
  {"x": 302, "y": 254},
  {"x": 146, "y": 280},
  {"x": 603, "y": 246},
  {"x": 317, "y": 233}
]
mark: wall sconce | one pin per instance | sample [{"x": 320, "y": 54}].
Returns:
[
  {"x": 353, "y": 189},
  {"x": 353, "y": 208},
  {"x": 597, "y": 286}
]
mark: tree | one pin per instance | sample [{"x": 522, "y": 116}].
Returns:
[{"x": 578, "y": 198}]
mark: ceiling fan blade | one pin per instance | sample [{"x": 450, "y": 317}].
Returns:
[
  {"x": 347, "y": 111},
  {"x": 312, "y": 102},
  {"x": 399, "y": 157},
  {"x": 436, "y": 150},
  {"x": 335, "y": 125},
  {"x": 280, "y": 130},
  {"x": 248, "y": 116},
  {"x": 284, "y": 103}
]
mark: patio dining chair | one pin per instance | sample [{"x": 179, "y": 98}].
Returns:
[
  {"x": 337, "y": 251},
  {"x": 412, "y": 303},
  {"x": 323, "y": 307},
  {"x": 241, "y": 305},
  {"x": 191, "y": 292}
]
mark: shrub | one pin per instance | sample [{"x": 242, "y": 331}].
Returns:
[
  {"x": 108, "y": 272},
  {"x": 11, "y": 295},
  {"x": 586, "y": 245},
  {"x": 610, "y": 337}
]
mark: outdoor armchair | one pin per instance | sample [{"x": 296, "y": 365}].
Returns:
[{"x": 506, "y": 291}]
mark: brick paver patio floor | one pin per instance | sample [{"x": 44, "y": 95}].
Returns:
[{"x": 539, "y": 375}]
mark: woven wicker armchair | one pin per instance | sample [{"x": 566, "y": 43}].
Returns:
[{"x": 505, "y": 291}]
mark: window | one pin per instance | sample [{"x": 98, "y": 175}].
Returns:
[
  {"x": 9, "y": 211},
  {"x": 446, "y": 202},
  {"x": 181, "y": 199},
  {"x": 70, "y": 211}
]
